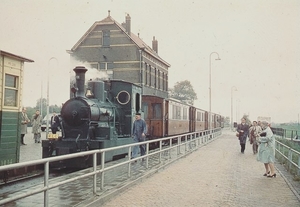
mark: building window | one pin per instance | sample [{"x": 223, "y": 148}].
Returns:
[
  {"x": 155, "y": 78},
  {"x": 106, "y": 38},
  {"x": 158, "y": 72},
  {"x": 150, "y": 75},
  {"x": 163, "y": 81},
  {"x": 106, "y": 66},
  {"x": 146, "y": 74},
  {"x": 11, "y": 90},
  {"x": 94, "y": 65}
]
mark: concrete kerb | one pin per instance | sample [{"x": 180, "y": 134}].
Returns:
[
  {"x": 97, "y": 200},
  {"x": 293, "y": 189}
]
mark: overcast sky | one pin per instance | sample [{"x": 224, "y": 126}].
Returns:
[{"x": 257, "y": 40}]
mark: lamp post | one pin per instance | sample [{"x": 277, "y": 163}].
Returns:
[
  {"x": 209, "y": 116},
  {"x": 233, "y": 88},
  {"x": 237, "y": 109},
  {"x": 47, "y": 118}
]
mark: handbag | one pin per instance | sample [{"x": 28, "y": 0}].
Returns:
[{"x": 263, "y": 134}]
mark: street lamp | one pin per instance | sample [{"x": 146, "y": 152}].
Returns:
[
  {"x": 47, "y": 118},
  {"x": 209, "y": 116},
  {"x": 237, "y": 103},
  {"x": 233, "y": 88}
]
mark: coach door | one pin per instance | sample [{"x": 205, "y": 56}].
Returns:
[
  {"x": 192, "y": 121},
  {"x": 206, "y": 120}
]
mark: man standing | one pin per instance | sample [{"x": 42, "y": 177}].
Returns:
[
  {"x": 243, "y": 130},
  {"x": 139, "y": 135},
  {"x": 24, "y": 122},
  {"x": 54, "y": 123},
  {"x": 36, "y": 126}
]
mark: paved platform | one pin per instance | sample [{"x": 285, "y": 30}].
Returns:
[
  {"x": 214, "y": 175},
  {"x": 31, "y": 151}
]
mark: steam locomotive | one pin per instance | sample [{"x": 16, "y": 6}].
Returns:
[{"x": 99, "y": 117}]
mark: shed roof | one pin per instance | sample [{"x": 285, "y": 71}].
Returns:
[{"x": 4, "y": 53}]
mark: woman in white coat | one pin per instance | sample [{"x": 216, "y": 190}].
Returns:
[{"x": 266, "y": 150}]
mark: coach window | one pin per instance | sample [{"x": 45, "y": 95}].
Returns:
[
  {"x": 145, "y": 109},
  {"x": 11, "y": 90},
  {"x": 137, "y": 102},
  {"x": 156, "y": 111},
  {"x": 185, "y": 114},
  {"x": 106, "y": 38}
]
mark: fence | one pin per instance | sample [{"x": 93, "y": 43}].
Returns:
[
  {"x": 286, "y": 133},
  {"x": 177, "y": 147},
  {"x": 288, "y": 157}
]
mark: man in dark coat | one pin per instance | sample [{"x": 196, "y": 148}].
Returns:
[
  {"x": 243, "y": 131},
  {"x": 54, "y": 123},
  {"x": 139, "y": 134}
]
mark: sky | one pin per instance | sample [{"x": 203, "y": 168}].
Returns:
[{"x": 257, "y": 41}]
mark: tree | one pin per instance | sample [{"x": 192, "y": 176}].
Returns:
[
  {"x": 41, "y": 105},
  {"x": 183, "y": 91}
]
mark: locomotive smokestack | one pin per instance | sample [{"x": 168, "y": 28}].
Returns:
[{"x": 80, "y": 79}]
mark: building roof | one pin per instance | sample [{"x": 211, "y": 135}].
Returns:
[
  {"x": 138, "y": 41},
  {"x": 4, "y": 53}
]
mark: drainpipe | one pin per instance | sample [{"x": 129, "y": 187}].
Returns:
[{"x": 141, "y": 72}]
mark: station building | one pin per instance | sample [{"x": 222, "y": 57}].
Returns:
[
  {"x": 112, "y": 48},
  {"x": 11, "y": 93}
]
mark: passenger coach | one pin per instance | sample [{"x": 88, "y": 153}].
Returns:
[{"x": 167, "y": 117}]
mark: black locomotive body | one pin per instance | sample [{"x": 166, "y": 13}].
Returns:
[{"x": 99, "y": 117}]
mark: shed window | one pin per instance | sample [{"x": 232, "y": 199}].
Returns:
[{"x": 11, "y": 90}]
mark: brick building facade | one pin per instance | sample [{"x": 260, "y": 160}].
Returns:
[{"x": 112, "y": 48}]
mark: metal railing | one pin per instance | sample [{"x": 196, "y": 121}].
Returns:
[
  {"x": 288, "y": 155},
  {"x": 188, "y": 142}
]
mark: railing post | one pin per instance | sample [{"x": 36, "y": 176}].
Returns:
[
  {"x": 170, "y": 148},
  {"x": 46, "y": 184},
  {"x": 102, "y": 172},
  {"x": 290, "y": 159},
  {"x": 147, "y": 152},
  {"x": 95, "y": 175},
  {"x": 160, "y": 151},
  {"x": 178, "y": 146},
  {"x": 129, "y": 163},
  {"x": 298, "y": 171}
]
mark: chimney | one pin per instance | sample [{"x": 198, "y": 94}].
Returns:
[
  {"x": 155, "y": 45},
  {"x": 80, "y": 79},
  {"x": 128, "y": 24}
]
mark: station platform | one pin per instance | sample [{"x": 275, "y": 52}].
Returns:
[{"x": 216, "y": 174}]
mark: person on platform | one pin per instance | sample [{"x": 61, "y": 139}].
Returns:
[
  {"x": 254, "y": 132},
  {"x": 54, "y": 123},
  {"x": 139, "y": 135},
  {"x": 266, "y": 149},
  {"x": 243, "y": 130},
  {"x": 36, "y": 126},
  {"x": 24, "y": 121}
]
